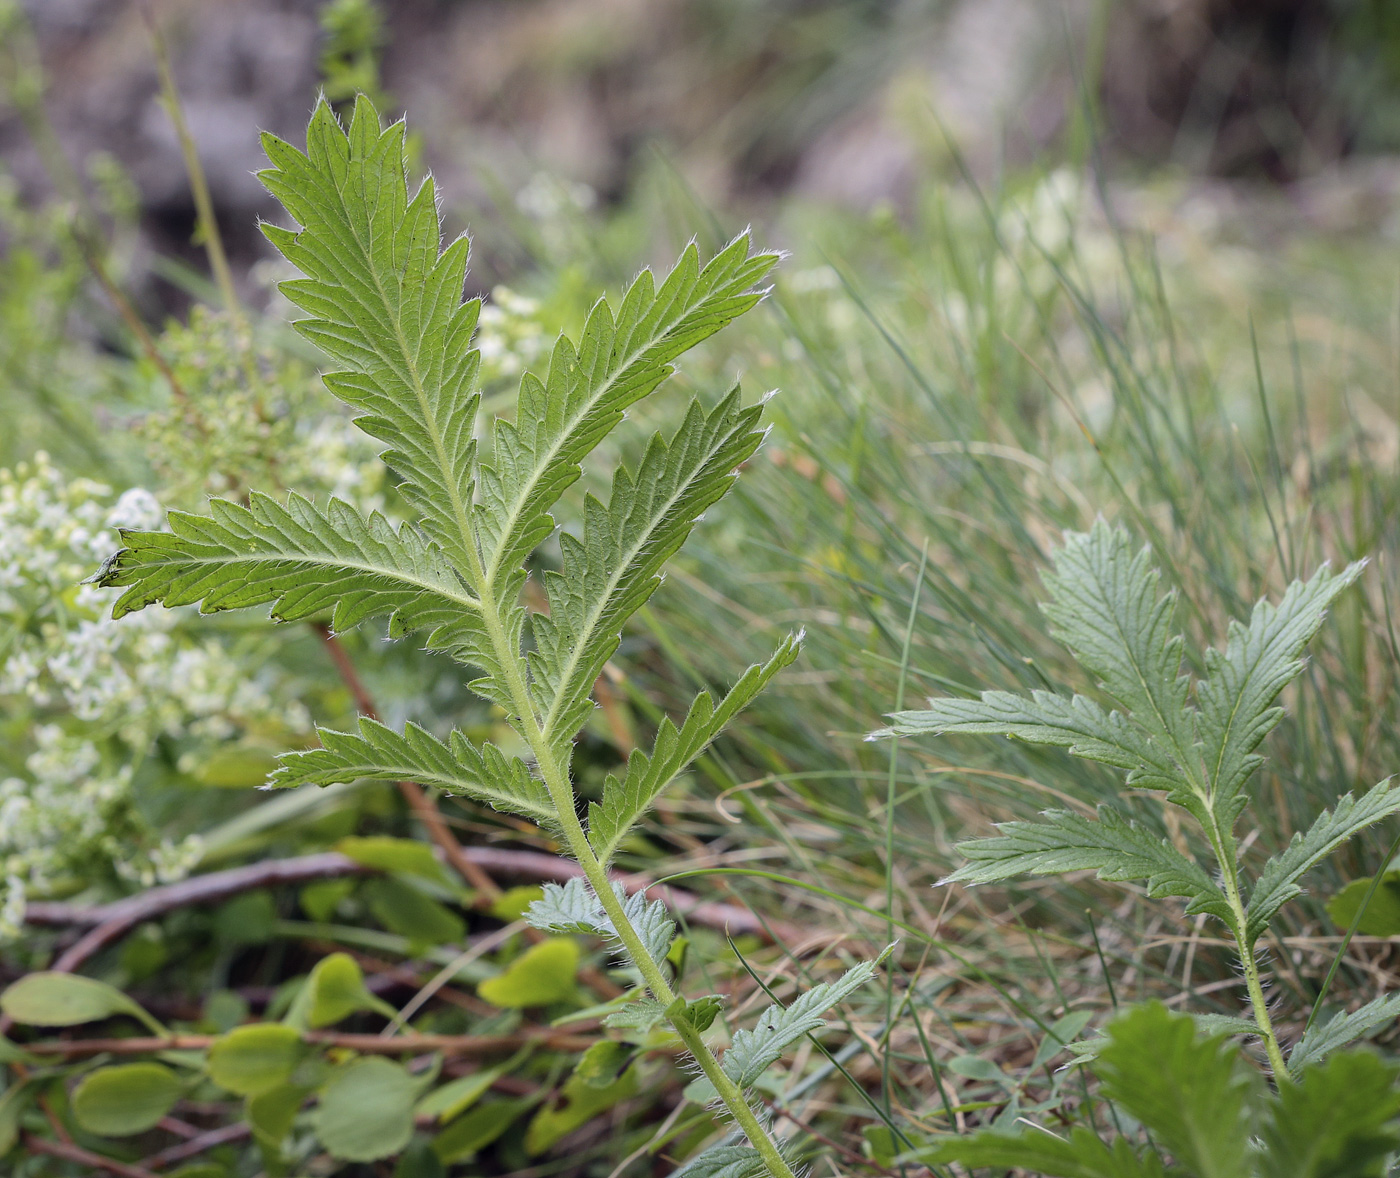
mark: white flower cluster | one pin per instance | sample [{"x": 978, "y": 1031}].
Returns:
[
  {"x": 96, "y": 693},
  {"x": 509, "y": 335}
]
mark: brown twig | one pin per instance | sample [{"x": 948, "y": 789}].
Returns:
[
  {"x": 111, "y": 921},
  {"x": 198, "y": 1145},
  {"x": 83, "y": 1157},
  {"x": 410, "y": 1044}
]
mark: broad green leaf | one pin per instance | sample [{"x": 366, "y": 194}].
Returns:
[
  {"x": 1114, "y": 847},
  {"x": 1237, "y": 695},
  {"x": 401, "y": 908},
  {"x": 1194, "y": 1095},
  {"x": 477, "y": 1129},
  {"x": 583, "y": 1100},
  {"x": 402, "y": 856},
  {"x": 255, "y": 1059},
  {"x": 303, "y": 559},
  {"x": 385, "y": 305},
  {"x": 752, "y": 1051},
  {"x": 455, "y": 1097},
  {"x": 542, "y": 975},
  {"x": 126, "y": 1099},
  {"x": 365, "y": 1110},
  {"x": 1324, "y": 1038},
  {"x": 48, "y": 999},
  {"x": 1037, "y": 1151},
  {"x": 1339, "y": 1121},
  {"x": 609, "y": 572},
  {"x": 625, "y": 800},
  {"x": 601, "y": 1064},
  {"x": 1277, "y": 883},
  {"x": 1382, "y": 915},
  {"x": 1106, "y": 608},
  {"x": 457, "y": 766}
]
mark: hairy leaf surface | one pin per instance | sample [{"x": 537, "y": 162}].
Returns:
[
  {"x": 456, "y": 765},
  {"x": 615, "y": 566},
  {"x": 626, "y": 799},
  {"x": 305, "y": 560},
  {"x": 778, "y": 1027},
  {"x": 1277, "y": 883},
  {"x": 385, "y": 304},
  {"x": 1114, "y": 847},
  {"x": 1237, "y": 695},
  {"x": 1321, "y": 1039}
]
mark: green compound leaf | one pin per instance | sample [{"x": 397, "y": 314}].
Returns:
[
  {"x": 1339, "y": 1120},
  {"x": 251, "y": 1060},
  {"x": 625, "y": 800},
  {"x": 1195, "y": 1095},
  {"x": 609, "y": 572},
  {"x": 1077, "y": 724},
  {"x": 384, "y": 304},
  {"x": 778, "y": 1027},
  {"x": 1320, "y": 1040},
  {"x": 455, "y": 765},
  {"x": 1277, "y": 883},
  {"x": 618, "y": 361},
  {"x": 542, "y": 975},
  {"x": 366, "y": 1110},
  {"x": 48, "y": 999},
  {"x": 573, "y": 908},
  {"x": 1114, "y": 847},
  {"x": 305, "y": 560},
  {"x": 1037, "y": 1151},
  {"x": 1105, "y": 607},
  {"x": 127, "y": 1099},
  {"x": 1237, "y": 695}
]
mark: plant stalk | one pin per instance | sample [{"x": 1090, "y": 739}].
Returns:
[
  {"x": 1260, "y": 1007},
  {"x": 557, "y": 782}
]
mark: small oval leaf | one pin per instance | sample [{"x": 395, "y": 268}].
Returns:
[
  {"x": 126, "y": 1099},
  {"x": 49, "y": 999},
  {"x": 544, "y": 973},
  {"x": 251, "y": 1060},
  {"x": 366, "y": 1110}
]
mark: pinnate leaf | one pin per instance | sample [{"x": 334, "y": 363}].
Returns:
[
  {"x": 456, "y": 765},
  {"x": 1338, "y": 1121},
  {"x": 627, "y": 798},
  {"x": 778, "y": 1027},
  {"x": 384, "y": 304},
  {"x": 1321, "y": 1039},
  {"x": 1277, "y": 883}
]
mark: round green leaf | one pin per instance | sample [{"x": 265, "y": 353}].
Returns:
[
  {"x": 335, "y": 990},
  {"x": 270, "y": 1114},
  {"x": 254, "y": 1059},
  {"x": 49, "y": 999},
  {"x": 366, "y": 1110},
  {"x": 544, "y": 973},
  {"x": 126, "y": 1099}
]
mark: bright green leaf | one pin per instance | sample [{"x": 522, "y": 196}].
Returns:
[
  {"x": 50, "y": 999},
  {"x": 543, "y": 974},
  {"x": 402, "y": 856},
  {"x": 366, "y": 1110},
  {"x": 126, "y": 1099},
  {"x": 254, "y": 1059}
]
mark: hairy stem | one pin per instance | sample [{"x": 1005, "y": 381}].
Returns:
[
  {"x": 556, "y": 779},
  {"x": 1230, "y": 872}
]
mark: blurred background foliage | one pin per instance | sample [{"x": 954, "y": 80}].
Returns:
[{"x": 1048, "y": 261}]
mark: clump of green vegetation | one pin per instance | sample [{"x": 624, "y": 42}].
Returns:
[{"x": 384, "y": 304}]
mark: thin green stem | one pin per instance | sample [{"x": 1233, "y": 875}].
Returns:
[
  {"x": 1251, "y": 971},
  {"x": 556, "y": 780}
]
